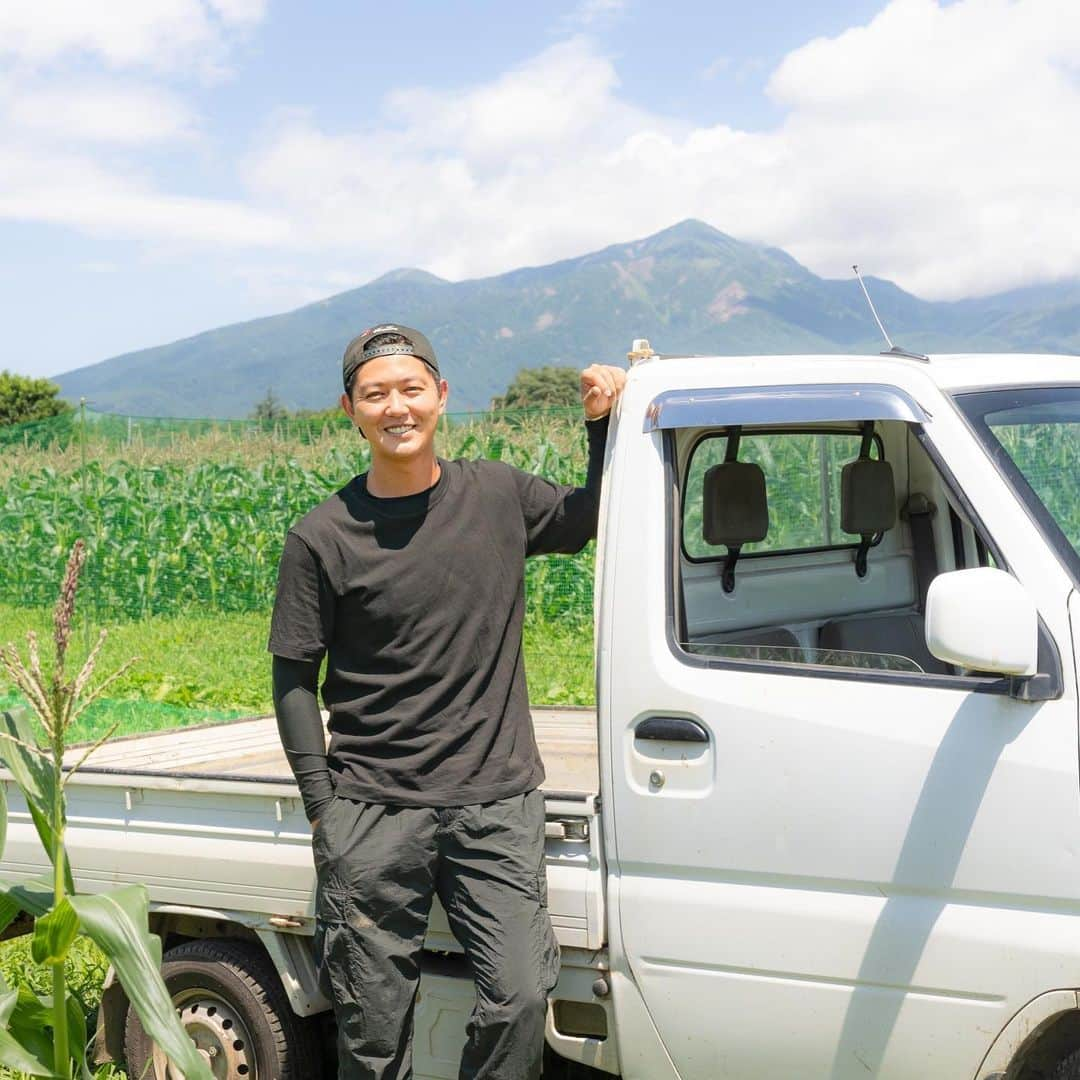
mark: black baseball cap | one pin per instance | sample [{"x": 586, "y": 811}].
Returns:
[{"x": 411, "y": 343}]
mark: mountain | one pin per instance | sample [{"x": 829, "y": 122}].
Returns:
[{"x": 689, "y": 288}]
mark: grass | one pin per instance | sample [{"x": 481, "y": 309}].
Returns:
[{"x": 198, "y": 667}]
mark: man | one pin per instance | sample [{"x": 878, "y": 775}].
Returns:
[{"x": 411, "y": 580}]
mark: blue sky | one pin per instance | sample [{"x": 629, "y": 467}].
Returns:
[{"x": 168, "y": 166}]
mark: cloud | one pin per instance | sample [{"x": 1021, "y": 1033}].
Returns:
[
  {"x": 98, "y": 111},
  {"x": 717, "y": 67},
  {"x": 68, "y": 141},
  {"x": 547, "y": 104},
  {"x": 154, "y": 33},
  {"x": 590, "y": 12},
  {"x": 932, "y": 145},
  {"x": 476, "y": 182},
  {"x": 59, "y": 188}
]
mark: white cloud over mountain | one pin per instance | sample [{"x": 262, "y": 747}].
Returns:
[{"x": 934, "y": 145}]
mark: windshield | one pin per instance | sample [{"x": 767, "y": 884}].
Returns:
[{"x": 1034, "y": 436}]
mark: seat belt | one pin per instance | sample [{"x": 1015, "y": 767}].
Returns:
[{"x": 919, "y": 512}]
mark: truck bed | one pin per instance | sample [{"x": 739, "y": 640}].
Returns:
[
  {"x": 210, "y": 820},
  {"x": 251, "y": 750}
]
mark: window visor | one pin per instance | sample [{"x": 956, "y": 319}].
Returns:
[{"x": 810, "y": 404}]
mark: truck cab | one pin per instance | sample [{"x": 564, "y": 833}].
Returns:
[{"x": 836, "y": 675}]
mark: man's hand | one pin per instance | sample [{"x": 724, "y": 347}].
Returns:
[{"x": 601, "y": 385}]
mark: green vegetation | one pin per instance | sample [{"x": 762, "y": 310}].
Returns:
[
  {"x": 1048, "y": 455},
  {"x": 198, "y": 667},
  {"x": 45, "y": 1034},
  {"x": 85, "y": 971},
  {"x": 24, "y": 399},
  {"x": 179, "y": 521},
  {"x": 268, "y": 407},
  {"x": 541, "y": 387}
]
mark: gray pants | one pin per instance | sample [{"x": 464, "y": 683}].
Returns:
[{"x": 378, "y": 868}]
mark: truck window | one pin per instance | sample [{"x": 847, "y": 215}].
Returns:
[
  {"x": 803, "y": 471},
  {"x": 815, "y": 547}
]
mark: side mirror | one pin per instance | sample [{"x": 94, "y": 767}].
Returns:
[{"x": 982, "y": 619}]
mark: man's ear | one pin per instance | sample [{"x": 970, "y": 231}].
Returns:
[
  {"x": 350, "y": 412},
  {"x": 444, "y": 393}
]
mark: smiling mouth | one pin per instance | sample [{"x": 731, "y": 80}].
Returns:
[{"x": 400, "y": 429}]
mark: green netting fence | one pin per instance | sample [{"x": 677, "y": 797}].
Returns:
[{"x": 184, "y": 521}]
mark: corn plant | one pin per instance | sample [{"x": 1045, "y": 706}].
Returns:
[{"x": 45, "y": 1035}]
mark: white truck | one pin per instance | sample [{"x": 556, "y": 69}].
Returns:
[{"x": 825, "y": 820}]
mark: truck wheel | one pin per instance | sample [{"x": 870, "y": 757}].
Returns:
[
  {"x": 1069, "y": 1069},
  {"x": 233, "y": 1006}
]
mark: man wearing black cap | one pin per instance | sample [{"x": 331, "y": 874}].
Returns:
[{"x": 410, "y": 580}]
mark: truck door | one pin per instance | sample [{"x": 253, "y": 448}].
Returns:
[{"x": 827, "y": 861}]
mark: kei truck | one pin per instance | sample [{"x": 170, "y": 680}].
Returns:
[{"x": 824, "y": 822}]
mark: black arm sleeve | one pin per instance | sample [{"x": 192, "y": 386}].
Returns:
[
  {"x": 300, "y": 726},
  {"x": 560, "y": 518}
]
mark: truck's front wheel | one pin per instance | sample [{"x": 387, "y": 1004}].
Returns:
[{"x": 233, "y": 1006}]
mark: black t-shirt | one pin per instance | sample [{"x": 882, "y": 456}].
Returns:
[{"x": 418, "y": 603}]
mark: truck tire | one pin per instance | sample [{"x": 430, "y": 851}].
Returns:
[
  {"x": 232, "y": 1003},
  {"x": 1069, "y": 1069}
]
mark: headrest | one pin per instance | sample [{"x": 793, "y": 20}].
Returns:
[
  {"x": 867, "y": 497},
  {"x": 735, "y": 510}
]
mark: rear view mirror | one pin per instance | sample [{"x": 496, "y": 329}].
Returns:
[{"x": 982, "y": 619}]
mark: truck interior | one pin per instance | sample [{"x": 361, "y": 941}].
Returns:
[{"x": 815, "y": 543}]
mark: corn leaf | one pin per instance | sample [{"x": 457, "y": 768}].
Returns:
[
  {"x": 34, "y": 896},
  {"x": 53, "y": 934},
  {"x": 117, "y": 922},
  {"x": 13, "y": 1053},
  {"x": 35, "y": 778},
  {"x": 32, "y": 1020}
]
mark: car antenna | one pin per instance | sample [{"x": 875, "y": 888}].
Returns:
[{"x": 893, "y": 350}]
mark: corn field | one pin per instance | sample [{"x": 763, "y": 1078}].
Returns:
[{"x": 193, "y": 516}]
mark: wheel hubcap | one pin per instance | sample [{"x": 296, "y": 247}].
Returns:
[{"x": 219, "y": 1034}]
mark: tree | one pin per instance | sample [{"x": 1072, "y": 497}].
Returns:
[
  {"x": 23, "y": 399},
  {"x": 269, "y": 407},
  {"x": 534, "y": 388}
]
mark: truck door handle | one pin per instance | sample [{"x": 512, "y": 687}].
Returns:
[{"x": 671, "y": 729}]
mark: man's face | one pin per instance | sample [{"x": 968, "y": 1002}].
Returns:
[{"x": 396, "y": 402}]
